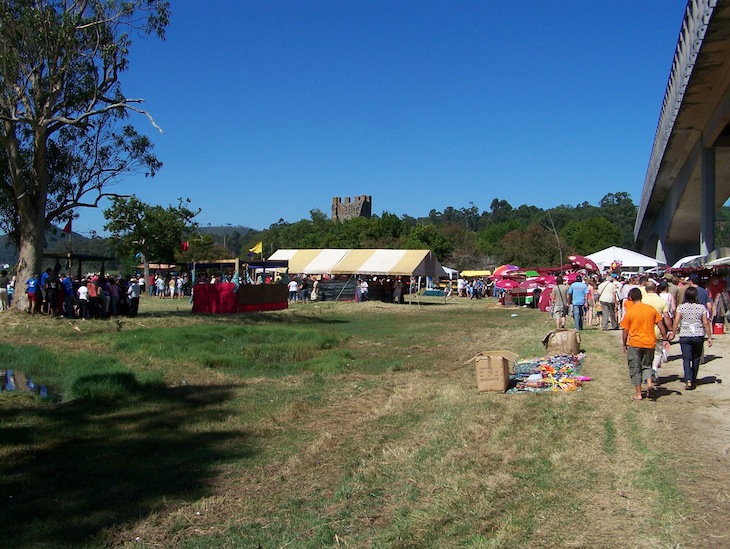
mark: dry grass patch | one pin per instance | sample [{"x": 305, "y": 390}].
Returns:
[{"x": 397, "y": 449}]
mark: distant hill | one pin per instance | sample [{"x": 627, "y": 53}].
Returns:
[
  {"x": 227, "y": 230},
  {"x": 57, "y": 242},
  {"x": 229, "y": 236}
]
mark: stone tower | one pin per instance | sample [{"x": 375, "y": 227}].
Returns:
[{"x": 359, "y": 206}]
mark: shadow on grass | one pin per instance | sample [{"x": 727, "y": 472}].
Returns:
[
  {"x": 271, "y": 317},
  {"x": 76, "y": 469}
]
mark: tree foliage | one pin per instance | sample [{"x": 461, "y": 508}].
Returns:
[
  {"x": 151, "y": 233},
  {"x": 467, "y": 238},
  {"x": 65, "y": 136}
]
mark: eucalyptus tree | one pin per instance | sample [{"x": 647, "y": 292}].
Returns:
[{"x": 64, "y": 131}]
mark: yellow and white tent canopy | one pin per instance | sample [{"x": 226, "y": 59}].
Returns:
[{"x": 366, "y": 262}]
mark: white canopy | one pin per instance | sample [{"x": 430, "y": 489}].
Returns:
[
  {"x": 373, "y": 262},
  {"x": 685, "y": 261},
  {"x": 629, "y": 259}
]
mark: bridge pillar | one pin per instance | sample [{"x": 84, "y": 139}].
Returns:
[
  {"x": 707, "y": 214},
  {"x": 661, "y": 254}
]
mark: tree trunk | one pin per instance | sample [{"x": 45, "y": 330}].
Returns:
[{"x": 30, "y": 256}]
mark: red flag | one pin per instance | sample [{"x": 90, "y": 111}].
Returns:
[
  {"x": 67, "y": 228},
  {"x": 184, "y": 246}
]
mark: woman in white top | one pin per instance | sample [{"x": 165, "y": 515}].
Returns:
[{"x": 691, "y": 324}]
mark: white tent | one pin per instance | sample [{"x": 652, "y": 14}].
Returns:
[
  {"x": 686, "y": 261},
  {"x": 452, "y": 273},
  {"x": 627, "y": 258}
]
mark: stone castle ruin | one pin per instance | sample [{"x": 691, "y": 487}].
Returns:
[{"x": 359, "y": 206}]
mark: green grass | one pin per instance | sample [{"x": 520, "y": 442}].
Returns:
[{"x": 341, "y": 424}]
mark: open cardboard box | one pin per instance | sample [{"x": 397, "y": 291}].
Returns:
[{"x": 492, "y": 370}]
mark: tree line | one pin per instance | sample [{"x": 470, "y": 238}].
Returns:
[{"x": 468, "y": 238}]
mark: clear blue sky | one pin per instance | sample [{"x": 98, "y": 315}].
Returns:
[{"x": 270, "y": 108}]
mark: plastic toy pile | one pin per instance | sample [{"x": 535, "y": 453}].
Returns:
[{"x": 548, "y": 373}]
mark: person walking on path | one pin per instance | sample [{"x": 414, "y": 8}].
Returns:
[
  {"x": 692, "y": 324},
  {"x": 639, "y": 340},
  {"x": 653, "y": 298},
  {"x": 559, "y": 300},
  {"x": 577, "y": 294},
  {"x": 607, "y": 296}
]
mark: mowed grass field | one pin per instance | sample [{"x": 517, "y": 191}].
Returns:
[{"x": 329, "y": 425}]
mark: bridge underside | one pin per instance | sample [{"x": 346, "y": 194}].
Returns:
[{"x": 677, "y": 209}]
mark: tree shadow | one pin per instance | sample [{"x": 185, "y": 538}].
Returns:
[
  {"x": 268, "y": 317},
  {"x": 76, "y": 469}
]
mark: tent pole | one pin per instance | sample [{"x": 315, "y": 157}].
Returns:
[{"x": 343, "y": 288}]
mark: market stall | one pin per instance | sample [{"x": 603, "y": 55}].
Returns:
[{"x": 240, "y": 294}]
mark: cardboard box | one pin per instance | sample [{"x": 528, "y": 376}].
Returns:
[
  {"x": 492, "y": 370},
  {"x": 562, "y": 342}
]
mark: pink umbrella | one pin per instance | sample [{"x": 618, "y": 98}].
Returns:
[
  {"x": 545, "y": 297},
  {"x": 583, "y": 262},
  {"x": 544, "y": 280},
  {"x": 506, "y": 283}
]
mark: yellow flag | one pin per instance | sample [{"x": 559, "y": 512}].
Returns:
[{"x": 257, "y": 249}]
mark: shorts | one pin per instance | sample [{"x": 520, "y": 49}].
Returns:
[{"x": 640, "y": 361}]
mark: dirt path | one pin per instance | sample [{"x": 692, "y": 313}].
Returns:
[{"x": 699, "y": 423}]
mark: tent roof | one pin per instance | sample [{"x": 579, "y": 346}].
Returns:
[
  {"x": 627, "y": 258},
  {"x": 374, "y": 262},
  {"x": 310, "y": 261},
  {"x": 685, "y": 261}
]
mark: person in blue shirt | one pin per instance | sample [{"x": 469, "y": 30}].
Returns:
[
  {"x": 67, "y": 286},
  {"x": 45, "y": 307},
  {"x": 577, "y": 297},
  {"x": 33, "y": 291}
]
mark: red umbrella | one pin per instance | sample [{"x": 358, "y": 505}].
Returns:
[
  {"x": 503, "y": 269},
  {"x": 506, "y": 283},
  {"x": 583, "y": 262}
]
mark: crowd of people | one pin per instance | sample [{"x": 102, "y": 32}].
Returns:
[
  {"x": 55, "y": 293},
  {"x": 651, "y": 312},
  {"x": 173, "y": 286}
]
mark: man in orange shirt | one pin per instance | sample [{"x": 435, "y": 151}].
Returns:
[{"x": 639, "y": 341}]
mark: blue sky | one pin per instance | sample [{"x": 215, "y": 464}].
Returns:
[{"x": 270, "y": 108}]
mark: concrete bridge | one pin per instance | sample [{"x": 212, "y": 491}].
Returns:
[{"x": 688, "y": 178}]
